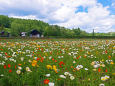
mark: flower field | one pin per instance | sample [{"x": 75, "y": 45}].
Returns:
[{"x": 57, "y": 62}]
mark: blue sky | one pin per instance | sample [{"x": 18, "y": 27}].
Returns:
[
  {"x": 108, "y": 3},
  {"x": 86, "y": 14}
]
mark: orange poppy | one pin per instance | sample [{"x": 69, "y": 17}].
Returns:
[{"x": 19, "y": 64}]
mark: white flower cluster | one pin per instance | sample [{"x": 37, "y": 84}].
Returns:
[
  {"x": 97, "y": 64},
  {"x": 2, "y": 75},
  {"x": 109, "y": 61},
  {"x": 2, "y": 62},
  {"x": 13, "y": 60},
  {"x": 28, "y": 69},
  {"x": 73, "y": 53},
  {"x": 20, "y": 68},
  {"x": 104, "y": 78},
  {"x": 101, "y": 84},
  {"x": 78, "y": 67},
  {"x": 67, "y": 74},
  {"x": 51, "y": 84},
  {"x": 47, "y": 75}
]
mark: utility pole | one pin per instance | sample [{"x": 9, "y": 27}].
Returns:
[{"x": 93, "y": 33}]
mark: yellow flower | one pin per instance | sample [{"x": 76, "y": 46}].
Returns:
[
  {"x": 113, "y": 73},
  {"x": 49, "y": 66},
  {"x": 94, "y": 69},
  {"x": 103, "y": 78},
  {"x": 112, "y": 63},
  {"x": 54, "y": 68},
  {"x": 37, "y": 65},
  {"x": 46, "y": 54},
  {"x": 34, "y": 63},
  {"x": 102, "y": 60},
  {"x": 88, "y": 79},
  {"x": 113, "y": 47},
  {"x": 89, "y": 53},
  {"x": 38, "y": 46}
]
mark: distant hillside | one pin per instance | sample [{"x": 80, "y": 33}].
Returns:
[{"x": 15, "y": 26}]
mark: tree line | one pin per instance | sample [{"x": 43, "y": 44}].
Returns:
[{"x": 15, "y": 26}]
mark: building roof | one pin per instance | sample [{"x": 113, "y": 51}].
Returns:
[{"x": 35, "y": 32}]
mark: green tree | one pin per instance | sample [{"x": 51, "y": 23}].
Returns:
[
  {"x": 1, "y": 28},
  {"x": 4, "y": 20},
  {"x": 77, "y": 31}
]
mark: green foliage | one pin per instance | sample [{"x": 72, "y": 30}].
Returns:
[
  {"x": 15, "y": 26},
  {"x": 1, "y": 28},
  {"x": 4, "y": 20}
]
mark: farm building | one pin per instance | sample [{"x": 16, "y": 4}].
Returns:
[{"x": 35, "y": 33}]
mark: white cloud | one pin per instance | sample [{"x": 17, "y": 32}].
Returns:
[
  {"x": 113, "y": 5},
  {"x": 62, "y": 12},
  {"x": 24, "y": 17}
]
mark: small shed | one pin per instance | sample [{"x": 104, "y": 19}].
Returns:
[
  {"x": 23, "y": 34},
  {"x": 35, "y": 33}
]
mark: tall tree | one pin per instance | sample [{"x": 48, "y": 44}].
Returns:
[{"x": 4, "y": 20}]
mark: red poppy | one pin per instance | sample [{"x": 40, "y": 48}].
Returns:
[
  {"x": 5, "y": 53},
  {"x": 38, "y": 59},
  {"x": 59, "y": 63},
  {"x": 10, "y": 71},
  {"x": 106, "y": 70},
  {"x": 55, "y": 60},
  {"x": 60, "y": 66},
  {"x": 15, "y": 66},
  {"x": 42, "y": 58},
  {"x": 4, "y": 66},
  {"x": 9, "y": 65},
  {"x": 106, "y": 51},
  {"x": 77, "y": 57},
  {"x": 99, "y": 69},
  {"x": 52, "y": 59},
  {"x": 46, "y": 81},
  {"x": 59, "y": 79},
  {"x": 42, "y": 49},
  {"x": 8, "y": 56},
  {"x": 1, "y": 49}
]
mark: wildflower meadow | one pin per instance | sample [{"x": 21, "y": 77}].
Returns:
[{"x": 57, "y": 62}]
